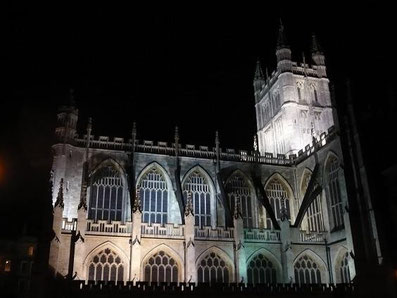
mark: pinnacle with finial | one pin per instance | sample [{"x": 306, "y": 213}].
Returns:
[
  {"x": 216, "y": 137},
  {"x": 281, "y": 40},
  {"x": 236, "y": 211},
  {"x": 89, "y": 125},
  {"x": 189, "y": 204},
  {"x": 59, "y": 201},
  {"x": 258, "y": 71},
  {"x": 137, "y": 207},
  {"x": 315, "y": 45},
  {"x": 176, "y": 135},
  {"x": 133, "y": 128},
  {"x": 71, "y": 97}
]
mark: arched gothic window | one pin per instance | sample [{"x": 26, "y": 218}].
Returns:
[
  {"x": 314, "y": 213},
  {"x": 307, "y": 271},
  {"x": 213, "y": 269},
  {"x": 260, "y": 270},
  {"x": 199, "y": 187},
  {"x": 334, "y": 193},
  {"x": 279, "y": 200},
  {"x": 344, "y": 269},
  {"x": 153, "y": 192},
  {"x": 106, "y": 265},
  {"x": 237, "y": 188},
  {"x": 106, "y": 195},
  {"x": 161, "y": 268}
]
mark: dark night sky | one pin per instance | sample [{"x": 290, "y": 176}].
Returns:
[{"x": 166, "y": 66}]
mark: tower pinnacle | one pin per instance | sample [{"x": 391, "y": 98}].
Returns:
[
  {"x": 283, "y": 52},
  {"x": 282, "y": 39},
  {"x": 259, "y": 78}
]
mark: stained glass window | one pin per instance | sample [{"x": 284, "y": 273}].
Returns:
[
  {"x": 237, "y": 188},
  {"x": 161, "y": 268},
  {"x": 153, "y": 191},
  {"x": 106, "y": 265},
  {"x": 199, "y": 188},
  {"x": 213, "y": 269},
  {"x": 261, "y": 270},
  {"x": 307, "y": 271},
  {"x": 106, "y": 196}
]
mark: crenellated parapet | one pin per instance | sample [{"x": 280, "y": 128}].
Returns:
[{"x": 205, "y": 152}]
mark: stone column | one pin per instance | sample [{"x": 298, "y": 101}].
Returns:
[
  {"x": 190, "y": 251},
  {"x": 79, "y": 250},
  {"x": 287, "y": 256},
  {"x": 135, "y": 241},
  {"x": 241, "y": 260},
  {"x": 57, "y": 229}
]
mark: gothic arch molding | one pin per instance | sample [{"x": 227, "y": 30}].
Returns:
[
  {"x": 319, "y": 261},
  {"x": 146, "y": 168},
  {"x": 268, "y": 254},
  {"x": 216, "y": 270},
  {"x": 277, "y": 175},
  {"x": 109, "y": 161},
  {"x": 202, "y": 195},
  {"x": 201, "y": 170},
  {"x": 239, "y": 187},
  {"x": 173, "y": 212},
  {"x": 125, "y": 198},
  {"x": 289, "y": 190},
  {"x": 102, "y": 246},
  {"x": 168, "y": 250},
  {"x": 330, "y": 154}
]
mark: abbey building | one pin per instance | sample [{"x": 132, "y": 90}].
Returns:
[{"x": 138, "y": 210}]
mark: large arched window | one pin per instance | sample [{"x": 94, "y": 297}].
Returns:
[
  {"x": 344, "y": 270},
  {"x": 106, "y": 195},
  {"x": 307, "y": 271},
  {"x": 260, "y": 270},
  {"x": 199, "y": 188},
  {"x": 334, "y": 193},
  {"x": 237, "y": 188},
  {"x": 314, "y": 213},
  {"x": 213, "y": 269},
  {"x": 279, "y": 200},
  {"x": 160, "y": 267},
  {"x": 106, "y": 265},
  {"x": 153, "y": 192}
]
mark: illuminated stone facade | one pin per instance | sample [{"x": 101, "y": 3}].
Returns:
[{"x": 135, "y": 210}]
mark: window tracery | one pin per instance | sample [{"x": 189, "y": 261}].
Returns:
[
  {"x": 237, "y": 188},
  {"x": 213, "y": 269},
  {"x": 307, "y": 271},
  {"x": 161, "y": 268},
  {"x": 314, "y": 213},
  {"x": 260, "y": 270},
  {"x": 344, "y": 270},
  {"x": 153, "y": 192},
  {"x": 106, "y": 265},
  {"x": 279, "y": 200},
  {"x": 335, "y": 193},
  {"x": 199, "y": 188},
  {"x": 106, "y": 195}
]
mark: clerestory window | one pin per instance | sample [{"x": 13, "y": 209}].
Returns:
[
  {"x": 106, "y": 195},
  {"x": 153, "y": 192}
]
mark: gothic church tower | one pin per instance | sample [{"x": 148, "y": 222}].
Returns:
[{"x": 293, "y": 105}]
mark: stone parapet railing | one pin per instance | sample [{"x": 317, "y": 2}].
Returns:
[
  {"x": 312, "y": 236},
  {"x": 164, "y": 148},
  {"x": 159, "y": 231},
  {"x": 81, "y": 288},
  {"x": 111, "y": 228},
  {"x": 261, "y": 235},
  {"x": 219, "y": 233},
  {"x": 69, "y": 225}
]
